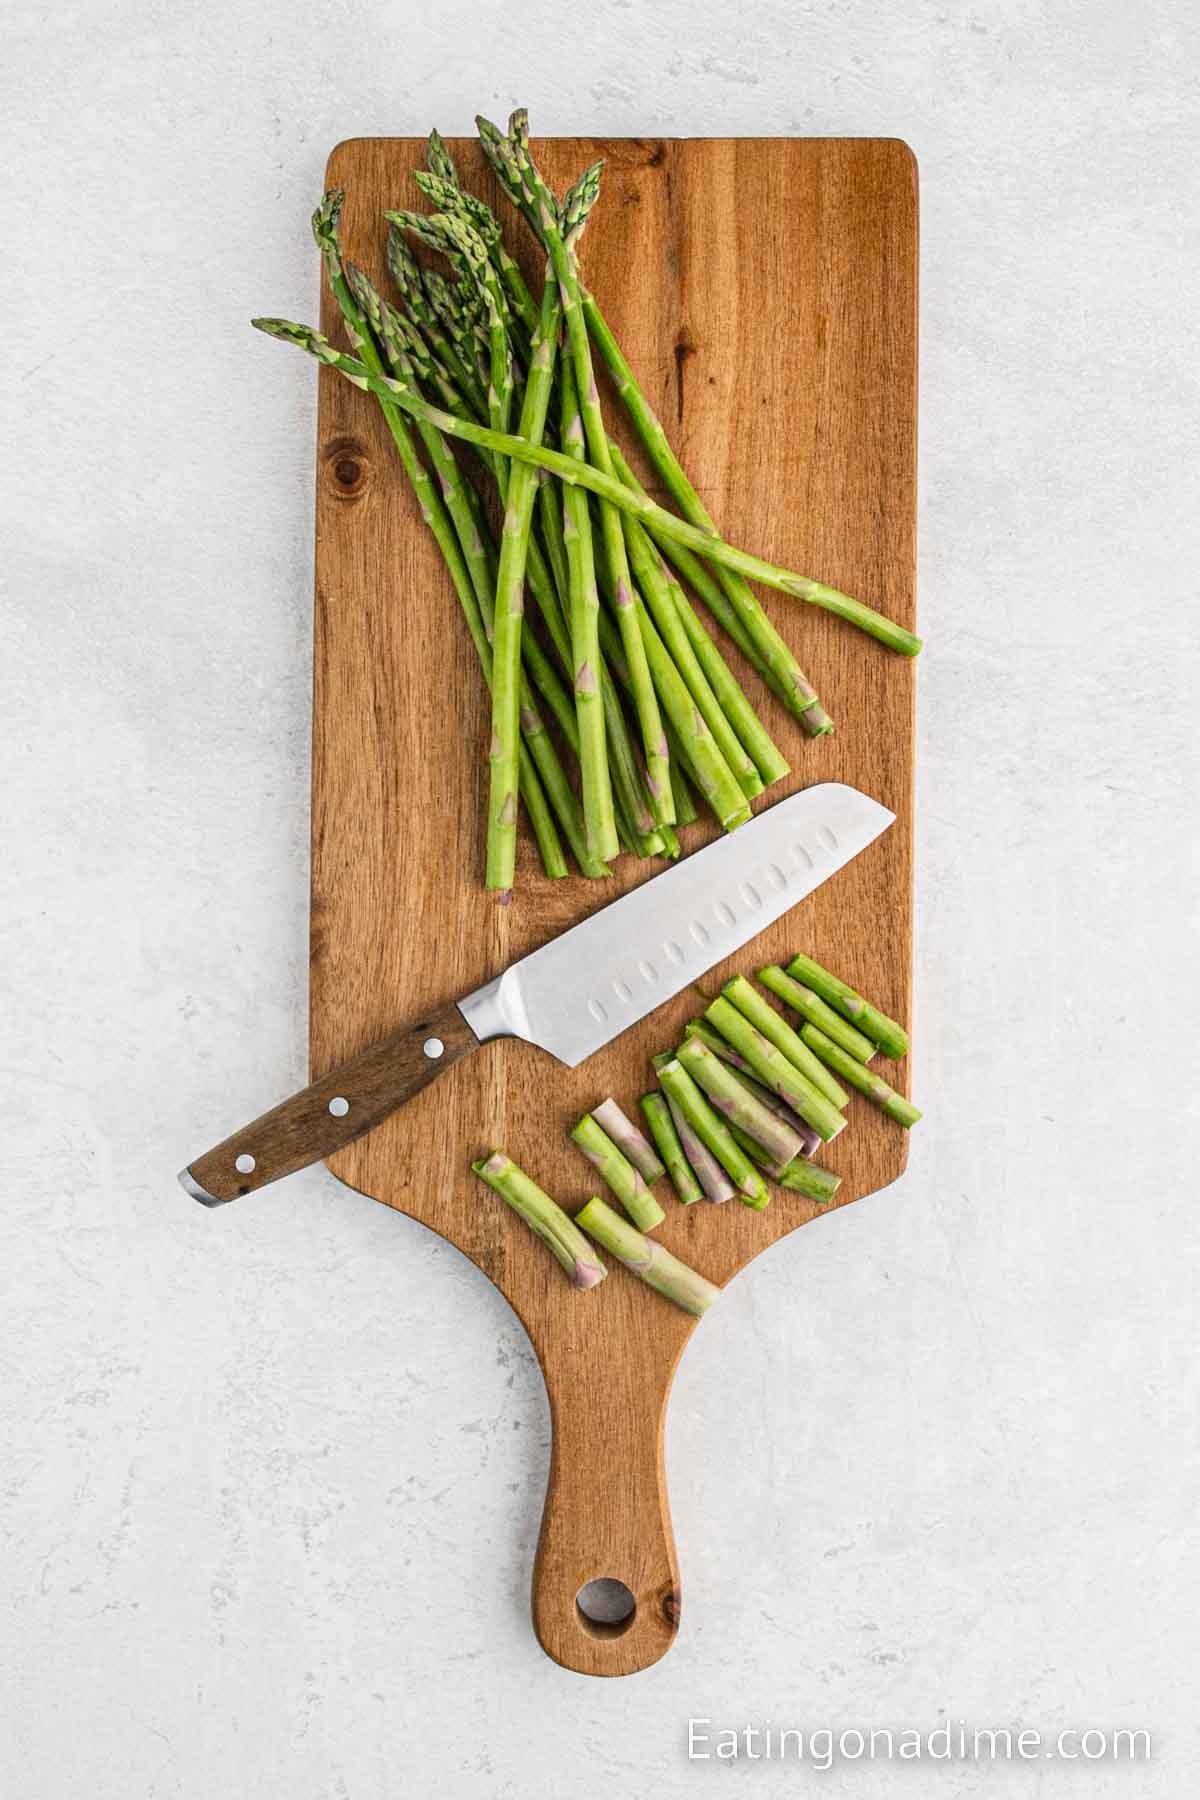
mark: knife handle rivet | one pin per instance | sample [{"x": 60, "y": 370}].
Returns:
[
  {"x": 339, "y": 1106},
  {"x": 433, "y": 1048},
  {"x": 245, "y": 1164}
]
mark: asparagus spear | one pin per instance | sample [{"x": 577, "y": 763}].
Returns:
[
  {"x": 800, "y": 697},
  {"x": 614, "y": 492},
  {"x": 812, "y": 1008},
  {"x": 713, "y": 1133},
  {"x": 628, "y": 1139},
  {"x": 650, "y": 573},
  {"x": 510, "y": 602},
  {"x": 433, "y": 511},
  {"x": 585, "y": 639},
  {"x": 706, "y": 765},
  {"x": 618, "y": 1173},
  {"x": 407, "y": 274},
  {"x": 736, "y": 1104},
  {"x": 561, "y": 251},
  {"x": 891, "y": 1038},
  {"x": 868, "y": 1083},
  {"x": 657, "y": 1113},
  {"x": 793, "y": 686},
  {"x": 764, "y": 1018},
  {"x": 448, "y": 197},
  {"x": 474, "y": 538},
  {"x": 768, "y": 758},
  {"x": 775, "y": 1070},
  {"x": 648, "y": 1260},
  {"x": 544, "y": 1216}
]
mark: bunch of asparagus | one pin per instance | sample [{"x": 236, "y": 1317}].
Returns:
[
  {"x": 643, "y": 699},
  {"x": 745, "y": 1096}
]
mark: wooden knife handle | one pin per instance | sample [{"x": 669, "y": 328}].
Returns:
[{"x": 333, "y": 1111}]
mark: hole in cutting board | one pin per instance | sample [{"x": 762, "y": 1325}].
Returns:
[{"x": 605, "y": 1606}]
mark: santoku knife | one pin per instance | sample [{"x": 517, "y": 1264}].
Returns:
[{"x": 574, "y": 994}]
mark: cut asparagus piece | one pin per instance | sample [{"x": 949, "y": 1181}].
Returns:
[
  {"x": 891, "y": 1038},
  {"x": 798, "y": 1176},
  {"x": 713, "y": 1133},
  {"x": 648, "y": 1260},
  {"x": 775, "y": 1070},
  {"x": 813, "y": 1009},
  {"x": 544, "y": 1216},
  {"x": 708, "y": 1171},
  {"x": 764, "y": 1018},
  {"x": 618, "y": 1173},
  {"x": 633, "y": 1145},
  {"x": 809, "y": 1140},
  {"x": 865, "y": 1080},
  {"x": 607, "y": 487},
  {"x": 657, "y": 1112},
  {"x": 737, "y": 1105}
]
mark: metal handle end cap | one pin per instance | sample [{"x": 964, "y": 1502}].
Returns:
[{"x": 190, "y": 1185}]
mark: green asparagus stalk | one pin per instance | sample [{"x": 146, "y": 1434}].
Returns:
[
  {"x": 812, "y": 1008},
  {"x": 801, "y": 1177},
  {"x": 618, "y": 1173},
  {"x": 697, "y": 1028},
  {"x": 765, "y": 650},
  {"x": 466, "y": 513},
  {"x": 463, "y": 237},
  {"x": 736, "y": 1104},
  {"x": 686, "y": 811},
  {"x": 647, "y": 1259},
  {"x": 798, "y": 1176},
  {"x": 801, "y": 697},
  {"x": 632, "y": 1144},
  {"x": 544, "y": 1216},
  {"x": 891, "y": 1038},
  {"x": 448, "y": 197},
  {"x": 585, "y": 639},
  {"x": 708, "y": 1171},
  {"x": 614, "y": 492},
  {"x": 707, "y": 767},
  {"x": 563, "y": 261},
  {"x": 713, "y": 1133},
  {"x": 504, "y": 156},
  {"x": 764, "y": 1018},
  {"x": 510, "y": 602},
  {"x": 439, "y": 160},
  {"x": 865, "y": 1080},
  {"x": 650, "y": 574},
  {"x": 325, "y": 231},
  {"x": 775, "y": 1070},
  {"x": 657, "y": 1114},
  {"x": 407, "y": 275}
]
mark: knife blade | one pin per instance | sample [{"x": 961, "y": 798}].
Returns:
[{"x": 577, "y": 992}]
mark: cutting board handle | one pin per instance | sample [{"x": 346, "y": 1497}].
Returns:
[{"x": 606, "y": 1517}]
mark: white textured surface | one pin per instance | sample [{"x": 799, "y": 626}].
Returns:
[{"x": 272, "y": 1476}]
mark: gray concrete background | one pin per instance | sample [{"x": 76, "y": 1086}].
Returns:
[{"x": 272, "y": 1478}]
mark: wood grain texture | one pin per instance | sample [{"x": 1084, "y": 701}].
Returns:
[{"x": 765, "y": 291}]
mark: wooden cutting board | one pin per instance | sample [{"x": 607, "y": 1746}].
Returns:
[{"x": 766, "y": 292}]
